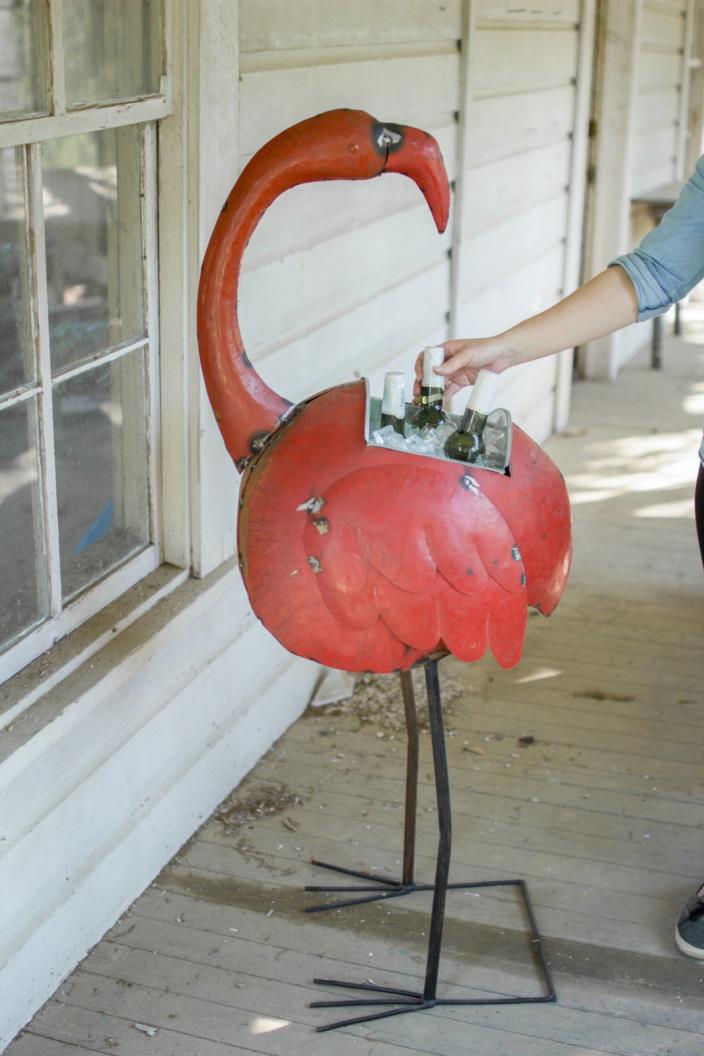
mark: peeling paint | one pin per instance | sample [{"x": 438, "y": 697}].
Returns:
[
  {"x": 257, "y": 440},
  {"x": 469, "y": 483},
  {"x": 312, "y": 505}
]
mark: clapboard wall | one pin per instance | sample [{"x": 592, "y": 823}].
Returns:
[
  {"x": 523, "y": 129},
  {"x": 659, "y": 94},
  {"x": 659, "y": 123},
  {"x": 346, "y": 279}
]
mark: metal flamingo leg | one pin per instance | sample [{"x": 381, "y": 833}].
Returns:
[
  {"x": 402, "y": 1001},
  {"x": 442, "y": 868},
  {"x": 385, "y": 887}
]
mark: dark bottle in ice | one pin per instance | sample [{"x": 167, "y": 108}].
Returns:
[
  {"x": 466, "y": 443},
  {"x": 432, "y": 391},
  {"x": 393, "y": 404}
]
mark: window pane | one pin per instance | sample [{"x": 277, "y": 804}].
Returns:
[
  {"x": 101, "y": 469},
  {"x": 22, "y": 566},
  {"x": 92, "y": 211},
  {"x": 23, "y": 77},
  {"x": 16, "y": 357},
  {"x": 112, "y": 49}
]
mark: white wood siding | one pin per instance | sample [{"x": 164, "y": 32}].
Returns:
[
  {"x": 659, "y": 88},
  {"x": 346, "y": 279},
  {"x": 659, "y": 124},
  {"x": 108, "y": 774},
  {"x": 520, "y": 123}
]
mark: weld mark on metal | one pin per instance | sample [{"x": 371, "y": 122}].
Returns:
[
  {"x": 312, "y": 505},
  {"x": 258, "y": 440},
  {"x": 469, "y": 483}
]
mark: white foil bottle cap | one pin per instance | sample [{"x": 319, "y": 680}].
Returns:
[
  {"x": 433, "y": 356},
  {"x": 483, "y": 392},
  {"x": 394, "y": 401}
]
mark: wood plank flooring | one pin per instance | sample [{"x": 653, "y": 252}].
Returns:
[{"x": 602, "y": 813}]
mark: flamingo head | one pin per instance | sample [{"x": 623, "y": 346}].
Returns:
[
  {"x": 353, "y": 145},
  {"x": 416, "y": 154}
]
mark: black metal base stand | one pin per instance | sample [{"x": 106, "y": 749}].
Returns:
[
  {"x": 402, "y": 1001},
  {"x": 381, "y": 886}
]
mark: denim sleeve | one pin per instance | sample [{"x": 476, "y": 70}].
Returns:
[{"x": 669, "y": 261}]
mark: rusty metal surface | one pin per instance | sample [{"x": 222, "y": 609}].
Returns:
[
  {"x": 360, "y": 557},
  {"x": 364, "y": 558}
]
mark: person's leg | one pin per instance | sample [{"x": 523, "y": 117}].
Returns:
[
  {"x": 689, "y": 930},
  {"x": 699, "y": 507}
]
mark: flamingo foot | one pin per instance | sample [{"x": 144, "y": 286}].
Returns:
[
  {"x": 403, "y": 1001},
  {"x": 381, "y": 887}
]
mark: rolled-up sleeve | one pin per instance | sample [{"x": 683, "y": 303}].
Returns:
[{"x": 669, "y": 261}]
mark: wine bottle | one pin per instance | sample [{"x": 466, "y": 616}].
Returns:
[
  {"x": 393, "y": 405},
  {"x": 432, "y": 390},
  {"x": 466, "y": 443}
]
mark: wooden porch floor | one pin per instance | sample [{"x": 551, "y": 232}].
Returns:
[{"x": 602, "y": 814}]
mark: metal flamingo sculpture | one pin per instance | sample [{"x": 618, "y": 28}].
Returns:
[{"x": 355, "y": 556}]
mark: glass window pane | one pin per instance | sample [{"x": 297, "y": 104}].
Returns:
[
  {"x": 92, "y": 211},
  {"x": 23, "y": 597},
  {"x": 101, "y": 469},
  {"x": 16, "y": 359},
  {"x": 23, "y": 79},
  {"x": 112, "y": 49}
]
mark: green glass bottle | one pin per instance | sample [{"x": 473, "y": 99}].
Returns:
[
  {"x": 432, "y": 390},
  {"x": 466, "y": 443},
  {"x": 393, "y": 405}
]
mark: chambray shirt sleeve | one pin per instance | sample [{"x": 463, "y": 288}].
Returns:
[{"x": 669, "y": 261}]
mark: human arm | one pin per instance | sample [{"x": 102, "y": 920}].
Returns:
[
  {"x": 667, "y": 264},
  {"x": 605, "y": 303}
]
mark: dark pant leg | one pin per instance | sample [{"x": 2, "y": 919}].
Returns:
[{"x": 699, "y": 508}]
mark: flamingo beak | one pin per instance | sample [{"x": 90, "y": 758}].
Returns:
[{"x": 416, "y": 154}]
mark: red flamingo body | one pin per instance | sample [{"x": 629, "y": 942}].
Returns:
[{"x": 356, "y": 556}]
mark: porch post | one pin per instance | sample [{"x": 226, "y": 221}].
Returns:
[{"x": 608, "y": 211}]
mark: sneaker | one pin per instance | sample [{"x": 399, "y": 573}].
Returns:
[{"x": 689, "y": 930}]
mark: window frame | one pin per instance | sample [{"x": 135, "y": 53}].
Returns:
[{"x": 27, "y": 133}]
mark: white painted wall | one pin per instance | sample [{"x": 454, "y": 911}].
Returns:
[
  {"x": 346, "y": 279},
  {"x": 524, "y": 127},
  {"x": 660, "y": 86},
  {"x": 643, "y": 125},
  {"x": 657, "y": 126}
]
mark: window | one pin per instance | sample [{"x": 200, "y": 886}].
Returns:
[{"x": 81, "y": 85}]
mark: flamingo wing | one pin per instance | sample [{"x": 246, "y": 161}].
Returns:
[{"x": 424, "y": 553}]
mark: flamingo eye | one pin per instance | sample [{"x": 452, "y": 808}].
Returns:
[{"x": 388, "y": 138}]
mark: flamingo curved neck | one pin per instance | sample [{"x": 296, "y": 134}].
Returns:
[{"x": 245, "y": 407}]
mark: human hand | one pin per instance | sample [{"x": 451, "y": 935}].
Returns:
[{"x": 464, "y": 358}]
